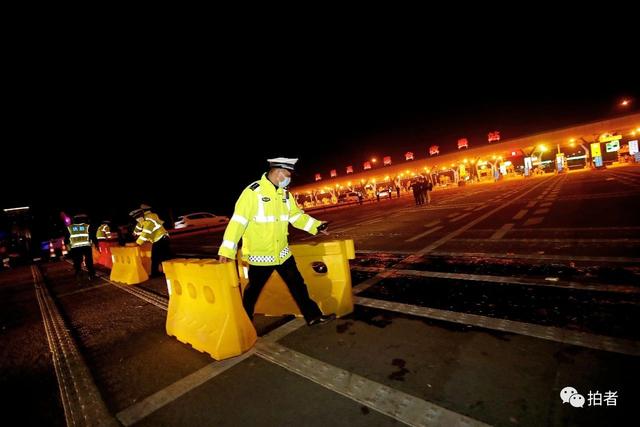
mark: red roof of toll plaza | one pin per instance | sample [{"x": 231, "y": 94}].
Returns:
[{"x": 505, "y": 148}]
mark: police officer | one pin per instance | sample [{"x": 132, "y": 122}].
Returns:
[
  {"x": 149, "y": 228},
  {"x": 80, "y": 243},
  {"x": 103, "y": 232},
  {"x": 261, "y": 218}
]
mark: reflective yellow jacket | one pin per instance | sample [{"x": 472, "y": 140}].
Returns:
[
  {"x": 261, "y": 218},
  {"x": 152, "y": 229},
  {"x": 103, "y": 232},
  {"x": 79, "y": 235}
]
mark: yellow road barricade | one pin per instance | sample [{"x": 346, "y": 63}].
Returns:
[
  {"x": 104, "y": 253},
  {"x": 325, "y": 269},
  {"x": 145, "y": 254},
  {"x": 205, "y": 307},
  {"x": 127, "y": 265}
]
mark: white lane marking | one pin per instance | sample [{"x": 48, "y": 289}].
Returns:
[
  {"x": 533, "y": 221},
  {"x": 152, "y": 403},
  {"x": 628, "y": 260},
  {"x": 426, "y": 233},
  {"x": 499, "y": 234},
  {"x": 582, "y": 339},
  {"x": 458, "y": 218},
  {"x": 396, "y": 404},
  {"x": 520, "y": 214},
  {"x": 508, "y": 280}
]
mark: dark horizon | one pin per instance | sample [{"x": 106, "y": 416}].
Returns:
[{"x": 103, "y": 141}]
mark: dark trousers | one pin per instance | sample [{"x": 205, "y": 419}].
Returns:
[
  {"x": 77, "y": 254},
  {"x": 160, "y": 251},
  {"x": 258, "y": 276}
]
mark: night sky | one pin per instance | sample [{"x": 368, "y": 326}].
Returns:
[{"x": 191, "y": 136}]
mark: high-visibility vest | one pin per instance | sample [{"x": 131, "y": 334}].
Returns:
[
  {"x": 103, "y": 232},
  {"x": 79, "y": 235},
  {"x": 261, "y": 218},
  {"x": 138, "y": 229},
  {"x": 151, "y": 228}
]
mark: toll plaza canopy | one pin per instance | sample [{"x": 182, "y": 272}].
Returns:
[{"x": 558, "y": 139}]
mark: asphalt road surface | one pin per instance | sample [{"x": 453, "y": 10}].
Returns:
[{"x": 478, "y": 309}]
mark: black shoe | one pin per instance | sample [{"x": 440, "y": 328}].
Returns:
[{"x": 322, "y": 319}]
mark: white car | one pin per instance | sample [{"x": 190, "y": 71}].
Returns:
[
  {"x": 200, "y": 219},
  {"x": 351, "y": 196}
]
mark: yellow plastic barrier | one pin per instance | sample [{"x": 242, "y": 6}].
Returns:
[
  {"x": 325, "y": 269},
  {"x": 104, "y": 253},
  {"x": 127, "y": 265},
  {"x": 145, "y": 254},
  {"x": 205, "y": 307}
]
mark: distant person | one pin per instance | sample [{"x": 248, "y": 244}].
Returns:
[
  {"x": 261, "y": 219},
  {"x": 103, "y": 233},
  {"x": 416, "y": 191},
  {"x": 79, "y": 241}
]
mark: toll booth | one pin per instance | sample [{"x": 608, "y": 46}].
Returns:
[{"x": 561, "y": 163}]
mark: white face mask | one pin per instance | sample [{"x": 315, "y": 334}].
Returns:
[{"x": 285, "y": 182}]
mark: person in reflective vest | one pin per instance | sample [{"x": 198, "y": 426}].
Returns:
[
  {"x": 149, "y": 229},
  {"x": 261, "y": 218},
  {"x": 104, "y": 231},
  {"x": 79, "y": 241}
]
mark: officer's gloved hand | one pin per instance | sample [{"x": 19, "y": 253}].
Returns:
[{"x": 322, "y": 228}]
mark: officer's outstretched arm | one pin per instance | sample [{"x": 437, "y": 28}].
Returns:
[
  {"x": 301, "y": 220},
  {"x": 245, "y": 210},
  {"x": 146, "y": 228}
]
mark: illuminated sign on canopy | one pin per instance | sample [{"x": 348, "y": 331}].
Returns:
[
  {"x": 612, "y": 146},
  {"x": 607, "y": 138}
]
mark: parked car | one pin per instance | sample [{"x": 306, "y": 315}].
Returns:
[
  {"x": 351, "y": 196},
  {"x": 200, "y": 219},
  {"x": 384, "y": 192}
]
